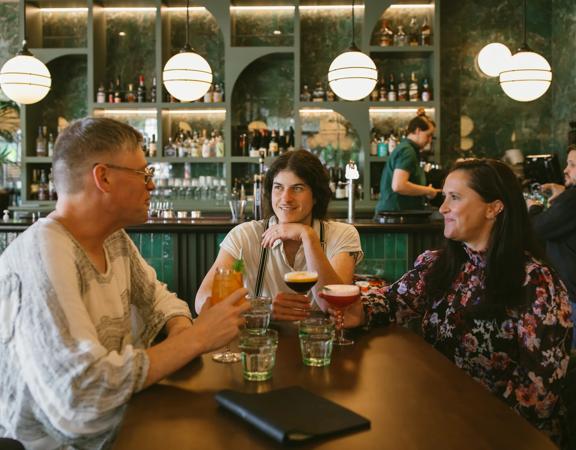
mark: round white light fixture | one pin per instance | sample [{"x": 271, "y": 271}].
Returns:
[
  {"x": 24, "y": 78},
  {"x": 526, "y": 77},
  {"x": 187, "y": 76},
  {"x": 492, "y": 59},
  {"x": 352, "y": 75}
]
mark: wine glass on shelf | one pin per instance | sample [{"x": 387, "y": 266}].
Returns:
[
  {"x": 340, "y": 297},
  {"x": 226, "y": 281}
]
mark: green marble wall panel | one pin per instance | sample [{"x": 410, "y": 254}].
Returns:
[
  {"x": 67, "y": 98},
  {"x": 263, "y": 27},
  {"x": 263, "y": 92},
  {"x": 9, "y": 33},
  {"x": 130, "y": 47},
  {"x": 564, "y": 85},
  {"x": 158, "y": 250},
  {"x": 466, "y": 26},
  {"x": 61, "y": 30},
  {"x": 324, "y": 35}
]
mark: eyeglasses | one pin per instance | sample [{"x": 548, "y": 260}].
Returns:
[{"x": 148, "y": 172}]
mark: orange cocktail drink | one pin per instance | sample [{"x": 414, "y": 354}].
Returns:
[{"x": 226, "y": 281}]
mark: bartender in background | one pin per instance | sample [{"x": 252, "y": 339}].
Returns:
[
  {"x": 403, "y": 182},
  {"x": 557, "y": 227}
]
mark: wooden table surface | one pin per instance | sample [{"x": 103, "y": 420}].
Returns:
[{"x": 414, "y": 397}]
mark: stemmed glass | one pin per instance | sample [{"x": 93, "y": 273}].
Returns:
[
  {"x": 226, "y": 281},
  {"x": 340, "y": 296},
  {"x": 301, "y": 282}
]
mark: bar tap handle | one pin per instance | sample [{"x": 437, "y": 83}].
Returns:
[{"x": 351, "y": 175}]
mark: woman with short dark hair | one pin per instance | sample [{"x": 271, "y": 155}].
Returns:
[
  {"x": 486, "y": 300},
  {"x": 295, "y": 237}
]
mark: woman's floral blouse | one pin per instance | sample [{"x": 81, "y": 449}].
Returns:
[{"x": 521, "y": 358}]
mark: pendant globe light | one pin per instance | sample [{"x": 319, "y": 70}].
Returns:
[
  {"x": 187, "y": 75},
  {"x": 493, "y": 58},
  {"x": 527, "y": 75},
  {"x": 352, "y": 75},
  {"x": 24, "y": 78}
]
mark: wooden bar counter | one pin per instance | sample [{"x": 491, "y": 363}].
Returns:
[{"x": 414, "y": 397}]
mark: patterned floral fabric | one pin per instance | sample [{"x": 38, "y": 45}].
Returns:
[{"x": 521, "y": 357}]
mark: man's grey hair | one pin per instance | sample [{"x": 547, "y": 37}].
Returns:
[{"x": 86, "y": 142}]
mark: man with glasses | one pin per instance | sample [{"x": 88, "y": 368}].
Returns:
[
  {"x": 79, "y": 306},
  {"x": 403, "y": 182}
]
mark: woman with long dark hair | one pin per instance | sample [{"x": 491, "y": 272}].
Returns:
[{"x": 487, "y": 300}]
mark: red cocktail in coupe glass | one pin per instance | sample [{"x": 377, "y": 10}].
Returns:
[{"x": 340, "y": 296}]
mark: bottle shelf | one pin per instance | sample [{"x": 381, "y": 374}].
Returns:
[
  {"x": 191, "y": 105},
  {"x": 177, "y": 160},
  {"x": 402, "y": 105},
  {"x": 373, "y": 158},
  {"x": 38, "y": 159},
  {"x": 424, "y": 49},
  {"x": 124, "y": 105}
]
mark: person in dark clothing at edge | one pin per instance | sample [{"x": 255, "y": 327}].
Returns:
[
  {"x": 557, "y": 227},
  {"x": 403, "y": 183}
]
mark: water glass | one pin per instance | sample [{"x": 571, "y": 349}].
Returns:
[
  {"x": 316, "y": 338},
  {"x": 237, "y": 208},
  {"x": 258, "y": 354},
  {"x": 258, "y": 316}
]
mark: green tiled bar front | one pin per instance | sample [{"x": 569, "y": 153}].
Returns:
[
  {"x": 385, "y": 255},
  {"x": 158, "y": 250}
]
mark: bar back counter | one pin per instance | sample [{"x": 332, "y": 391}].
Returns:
[{"x": 183, "y": 250}]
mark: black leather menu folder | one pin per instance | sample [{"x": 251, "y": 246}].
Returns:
[{"x": 292, "y": 414}]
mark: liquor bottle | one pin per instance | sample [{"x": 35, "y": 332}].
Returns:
[
  {"x": 50, "y": 145},
  {"x": 110, "y": 93},
  {"x": 386, "y": 35},
  {"x": 318, "y": 95},
  {"x": 219, "y": 146},
  {"x": 34, "y": 185},
  {"x": 375, "y": 92},
  {"x": 282, "y": 144},
  {"x": 218, "y": 94},
  {"x": 413, "y": 33},
  {"x": 254, "y": 144},
  {"x": 341, "y": 185},
  {"x": 413, "y": 89},
  {"x": 330, "y": 95},
  {"x": 425, "y": 33},
  {"x": 291, "y": 139},
  {"x": 382, "y": 147},
  {"x": 170, "y": 149},
  {"x": 130, "y": 95},
  {"x": 264, "y": 143},
  {"x": 205, "y": 144},
  {"x": 391, "y": 89},
  {"x": 305, "y": 96},
  {"x": 374, "y": 144},
  {"x": 273, "y": 145},
  {"x": 41, "y": 144},
  {"x": 400, "y": 38},
  {"x": 426, "y": 94},
  {"x": 382, "y": 93},
  {"x": 153, "y": 91},
  {"x": 243, "y": 144},
  {"x": 141, "y": 90},
  {"x": 153, "y": 147},
  {"x": 43, "y": 191},
  {"x": 402, "y": 89},
  {"x": 101, "y": 94},
  {"x": 117, "y": 92},
  {"x": 208, "y": 95}
]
